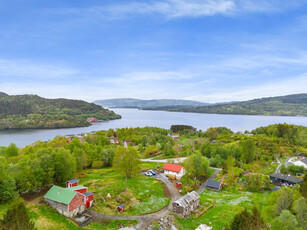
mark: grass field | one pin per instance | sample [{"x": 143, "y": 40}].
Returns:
[
  {"x": 227, "y": 204},
  {"x": 144, "y": 194}
]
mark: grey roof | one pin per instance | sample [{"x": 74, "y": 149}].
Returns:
[
  {"x": 286, "y": 177},
  {"x": 88, "y": 193},
  {"x": 213, "y": 184},
  {"x": 187, "y": 199},
  {"x": 121, "y": 206},
  {"x": 276, "y": 188},
  {"x": 73, "y": 181},
  {"x": 304, "y": 160}
]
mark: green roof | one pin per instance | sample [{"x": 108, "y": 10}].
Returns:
[
  {"x": 75, "y": 188},
  {"x": 59, "y": 194}
]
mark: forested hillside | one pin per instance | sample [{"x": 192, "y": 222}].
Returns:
[
  {"x": 136, "y": 103},
  {"x": 32, "y": 111},
  {"x": 291, "y": 105},
  {"x": 3, "y": 94}
]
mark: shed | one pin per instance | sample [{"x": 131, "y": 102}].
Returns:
[
  {"x": 214, "y": 185},
  {"x": 178, "y": 184},
  {"x": 186, "y": 204},
  {"x": 72, "y": 183},
  {"x": 120, "y": 208},
  {"x": 89, "y": 199}
]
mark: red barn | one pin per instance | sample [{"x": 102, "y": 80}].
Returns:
[
  {"x": 92, "y": 119},
  {"x": 79, "y": 189},
  {"x": 72, "y": 183},
  {"x": 89, "y": 199}
]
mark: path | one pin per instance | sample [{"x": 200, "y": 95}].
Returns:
[{"x": 287, "y": 163}]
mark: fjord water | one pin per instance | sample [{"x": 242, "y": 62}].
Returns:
[{"x": 142, "y": 118}]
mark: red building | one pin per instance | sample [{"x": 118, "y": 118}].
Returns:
[
  {"x": 72, "y": 183},
  {"x": 92, "y": 119}
]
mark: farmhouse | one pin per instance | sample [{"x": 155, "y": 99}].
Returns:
[
  {"x": 280, "y": 179},
  {"x": 71, "y": 200},
  {"x": 214, "y": 185},
  {"x": 173, "y": 170},
  {"x": 175, "y": 137},
  {"x": 186, "y": 204}
]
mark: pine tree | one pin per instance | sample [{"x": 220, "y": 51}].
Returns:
[{"x": 17, "y": 218}]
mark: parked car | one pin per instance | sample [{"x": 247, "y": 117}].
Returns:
[
  {"x": 148, "y": 173},
  {"x": 152, "y": 172}
]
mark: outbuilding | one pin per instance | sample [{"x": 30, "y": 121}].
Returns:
[
  {"x": 186, "y": 204},
  {"x": 173, "y": 170},
  {"x": 120, "y": 208},
  {"x": 72, "y": 183},
  {"x": 214, "y": 185}
]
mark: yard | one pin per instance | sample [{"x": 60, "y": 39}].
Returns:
[
  {"x": 227, "y": 204},
  {"x": 143, "y": 195}
]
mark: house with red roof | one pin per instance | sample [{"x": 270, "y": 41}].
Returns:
[{"x": 172, "y": 169}]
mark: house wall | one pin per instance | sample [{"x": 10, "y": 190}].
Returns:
[
  {"x": 77, "y": 201},
  {"x": 61, "y": 208},
  {"x": 300, "y": 163},
  {"x": 178, "y": 175},
  {"x": 81, "y": 190}
]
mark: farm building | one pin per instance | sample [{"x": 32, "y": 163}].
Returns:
[
  {"x": 92, "y": 119},
  {"x": 280, "y": 179},
  {"x": 175, "y": 137},
  {"x": 72, "y": 183},
  {"x": 120, "y": 208},
  {"x": 214, "y": 185},
  {"x": 186, "y": 204},
  {"x": 71, "y": 200},
  {"x": 114, "y": 140},
  {"x": 173, "y": 170}
]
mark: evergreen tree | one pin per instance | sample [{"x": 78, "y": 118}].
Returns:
[{"x": 17, "y": 218}]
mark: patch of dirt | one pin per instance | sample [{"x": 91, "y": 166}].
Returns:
[
  {"x": 34, "y": 197},
  {"x": 167, "y": 193}
]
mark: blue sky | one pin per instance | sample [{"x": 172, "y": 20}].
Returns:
[{"x": 211, "y": 51}]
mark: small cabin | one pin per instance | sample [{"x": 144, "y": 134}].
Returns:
[
  {"x": 214, "y": 185},
  {"x": 72, "y": 183},
  {"x": 89, "y": 199},
  {"x": 120, "y": 208},
  {"x": 92, "y": 119},
  {"x": 186, "y": 204},
  {"x": 178, "y": 184}
]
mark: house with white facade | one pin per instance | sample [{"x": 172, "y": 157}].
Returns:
[
  {"x": 173, "y": 170},
  {"x": 301, "y": 162}
]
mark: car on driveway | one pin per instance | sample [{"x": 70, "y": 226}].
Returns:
[
  {"x": 152, "y": 172},
  {"x": 148, "y": 173}
]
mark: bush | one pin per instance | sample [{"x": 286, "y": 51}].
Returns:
[{"x": 97, "y": 164}]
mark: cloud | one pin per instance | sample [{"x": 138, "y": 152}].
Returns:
[{"x": 172, "y": 9}]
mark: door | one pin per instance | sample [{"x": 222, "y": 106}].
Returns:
[{"x": 88, "y": 204}]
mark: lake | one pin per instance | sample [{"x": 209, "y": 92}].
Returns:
[{"x": 142, "y": 118}]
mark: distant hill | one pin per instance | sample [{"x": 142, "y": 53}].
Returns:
[
  {"x": 3, "y": 94},
  {"x": 291, "y": 105},
  {"x": 136, "y": 103},
  {"x": 32, "y": 111}
]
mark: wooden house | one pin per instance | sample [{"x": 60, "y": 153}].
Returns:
[
  {"x": 120, "y": 208},
  {"x": 186, "y": 204},
  {"x": 173, "y": 170},
  {"x": 92, "y": 119},
  {"x": 114, "y": 140}
]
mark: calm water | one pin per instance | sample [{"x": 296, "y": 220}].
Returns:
[{"x": 142, "y": 118}]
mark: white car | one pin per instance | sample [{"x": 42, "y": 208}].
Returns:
[{"x": 148, "y": 173}]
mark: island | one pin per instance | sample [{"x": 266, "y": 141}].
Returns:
[{"x": 32, "y": 111}]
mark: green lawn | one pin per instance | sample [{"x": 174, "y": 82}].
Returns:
[
  {"x": 144, "y": 194},
  {"x": 227, "y": 204}
]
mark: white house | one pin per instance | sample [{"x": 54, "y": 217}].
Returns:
[
  {"x": 204, "y": 227},
  {"x": 171, "y": 169},
  {"x": 301, "y": 162}
]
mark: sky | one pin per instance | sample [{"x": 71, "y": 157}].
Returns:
[{"x": 205, "y": 50}]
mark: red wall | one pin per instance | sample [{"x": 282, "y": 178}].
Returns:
[
  {"x": 81, "y": 190},
  {"x": 76, "y": 202}
]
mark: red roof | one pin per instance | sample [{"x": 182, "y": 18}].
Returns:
[{"x": 172, "y": 167}]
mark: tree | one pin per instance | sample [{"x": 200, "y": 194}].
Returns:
[
  {"x": 150, "y": 150},
  {"x": 254, "y": 181},
  {"x": 196, "y": 165},
  {"x": 126, "y": 161},
  {"x": 65, "y": 165},
  {"x": 11, "y": 150},
  {"x": 284, "y": 200},
  {"x": 303, "y": 188},
  {"x": 300, "y": 208},
  {"x": 17, "y": 218},
  {"x": 286, "y": 221},
  {"x": 7, "y": 184},
  {"x": 248, "y": 150}
]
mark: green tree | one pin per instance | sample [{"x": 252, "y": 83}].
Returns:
[
  {"x": 196, "y": 165},
  {"x": 150, "y": 150},
  {"x": 284, "y": 200},
  {"x": 126, "y": 161},
  {"x": 16, "y": 217},
  {"x": 248, "y": 150},
  {"x": 303, "y": 188},
  {"x": 11, "y": 150},
  {"x": 7, "y": 184},
  {"x": 65, "y": 165},
  {"x": 286, "y": 221},
  {"x": 254, "y": 181},
  {"x": 300, "y": 208}
]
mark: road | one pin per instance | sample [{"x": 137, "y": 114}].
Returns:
[
  {"x": 174, "y": 160},
  {"x": 287, "y": 163}
]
